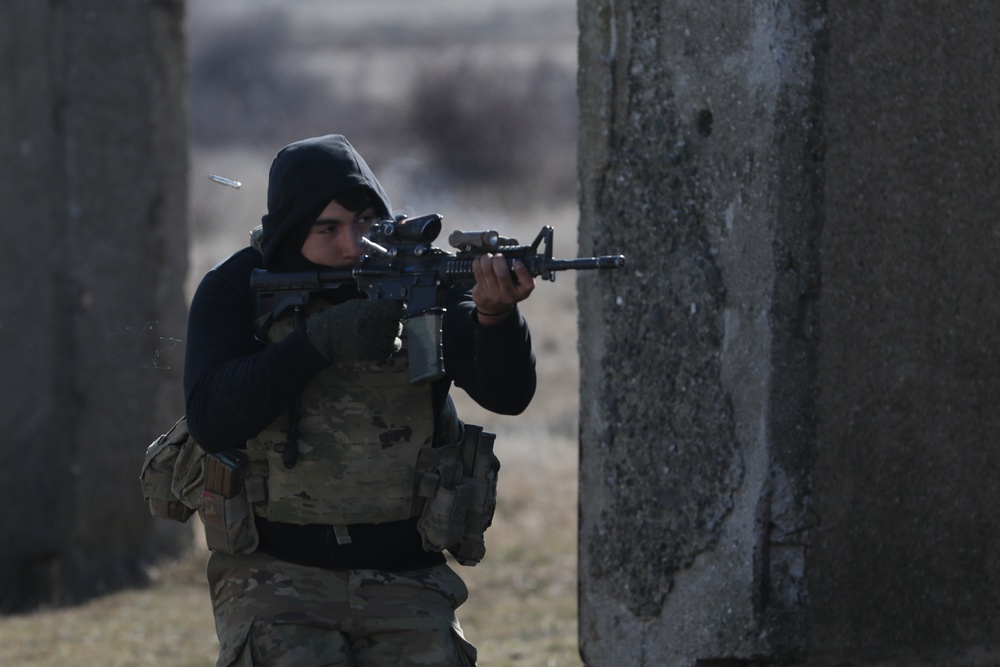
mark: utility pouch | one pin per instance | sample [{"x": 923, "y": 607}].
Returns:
[
  {"x": 226, "y": 512},
  {"x": 442, "y": 521},
  {"x": 461, "y": 496},
  {"x": 481, "y": 468},
  {"x": 172, "y": 474}
]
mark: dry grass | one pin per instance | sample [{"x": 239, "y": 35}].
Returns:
[{"x": 167, "y": 624}]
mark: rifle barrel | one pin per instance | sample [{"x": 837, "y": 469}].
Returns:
[{"x": 584, "y": 263}]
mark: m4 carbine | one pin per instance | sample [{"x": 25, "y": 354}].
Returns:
[{"x": 402, "y": 263}]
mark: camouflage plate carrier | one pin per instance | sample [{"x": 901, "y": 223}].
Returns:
[{"x": 365, "y": 454}]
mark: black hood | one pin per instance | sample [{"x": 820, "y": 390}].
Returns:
[{"x": 305, "y": 177}]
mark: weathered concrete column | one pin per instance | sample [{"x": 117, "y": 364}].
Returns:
[
  {"x": 93, "y": 139},
  {"x": 905, "y": 564},
  {"x": 788, "y": 401}
]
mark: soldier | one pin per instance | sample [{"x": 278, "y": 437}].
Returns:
[{"x": 337, "y": 560}]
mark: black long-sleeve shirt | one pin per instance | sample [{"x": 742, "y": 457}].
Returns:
[{"x": 235, "y": 386}]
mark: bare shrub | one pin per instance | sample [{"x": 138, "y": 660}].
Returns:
[
  {"x": 474, "y": 119},
  {"x": 242, "y": 91},
  {"x": 504, "y": 124}
]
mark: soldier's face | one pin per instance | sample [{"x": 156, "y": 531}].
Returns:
[{"x": 335, "y": 238}]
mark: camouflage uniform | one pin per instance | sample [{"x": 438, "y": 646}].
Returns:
[
  {"x": 316, "y": 616},
  {"x": 272, "y": 612},
  {"x": 359, "y": 448}
]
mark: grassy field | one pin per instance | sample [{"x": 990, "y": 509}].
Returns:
[{"x": 265, "y": 73}]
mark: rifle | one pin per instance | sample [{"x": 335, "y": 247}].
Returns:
[{"x": 402, "y": 263}]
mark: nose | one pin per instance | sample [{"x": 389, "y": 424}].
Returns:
[{"x": 353, "y": 247}]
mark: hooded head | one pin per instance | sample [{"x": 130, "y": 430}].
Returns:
[{"x": 305, "y": 177}]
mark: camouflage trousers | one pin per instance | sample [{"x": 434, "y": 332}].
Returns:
[{"x": 272, "y": 613}]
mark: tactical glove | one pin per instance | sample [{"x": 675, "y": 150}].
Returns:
[{"x": 358, "y": 329}]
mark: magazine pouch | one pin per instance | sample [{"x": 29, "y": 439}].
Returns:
[
  {"x": 226, "y": 512},
  {"x": 172, "y": 474},
  {"x": 460, "y": 498}
]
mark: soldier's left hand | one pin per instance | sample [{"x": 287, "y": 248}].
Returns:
[{"x": 496, "y": 292}]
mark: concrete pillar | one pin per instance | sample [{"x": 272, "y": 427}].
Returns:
[
  {"x": 93, "y": 139},
  {"x": 787, "y": 401}
]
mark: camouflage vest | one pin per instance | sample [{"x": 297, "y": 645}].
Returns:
[{"x": 361, "y": 429}]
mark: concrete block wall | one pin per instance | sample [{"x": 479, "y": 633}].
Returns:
[
  {"x": 787, "y": 433},
  {"x": 94, "y": 187}
]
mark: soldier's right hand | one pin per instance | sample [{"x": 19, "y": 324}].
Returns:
[{"x": 359, "y": 329}]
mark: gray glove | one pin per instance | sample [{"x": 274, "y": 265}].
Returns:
[{"x": 357, "y": 329}]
